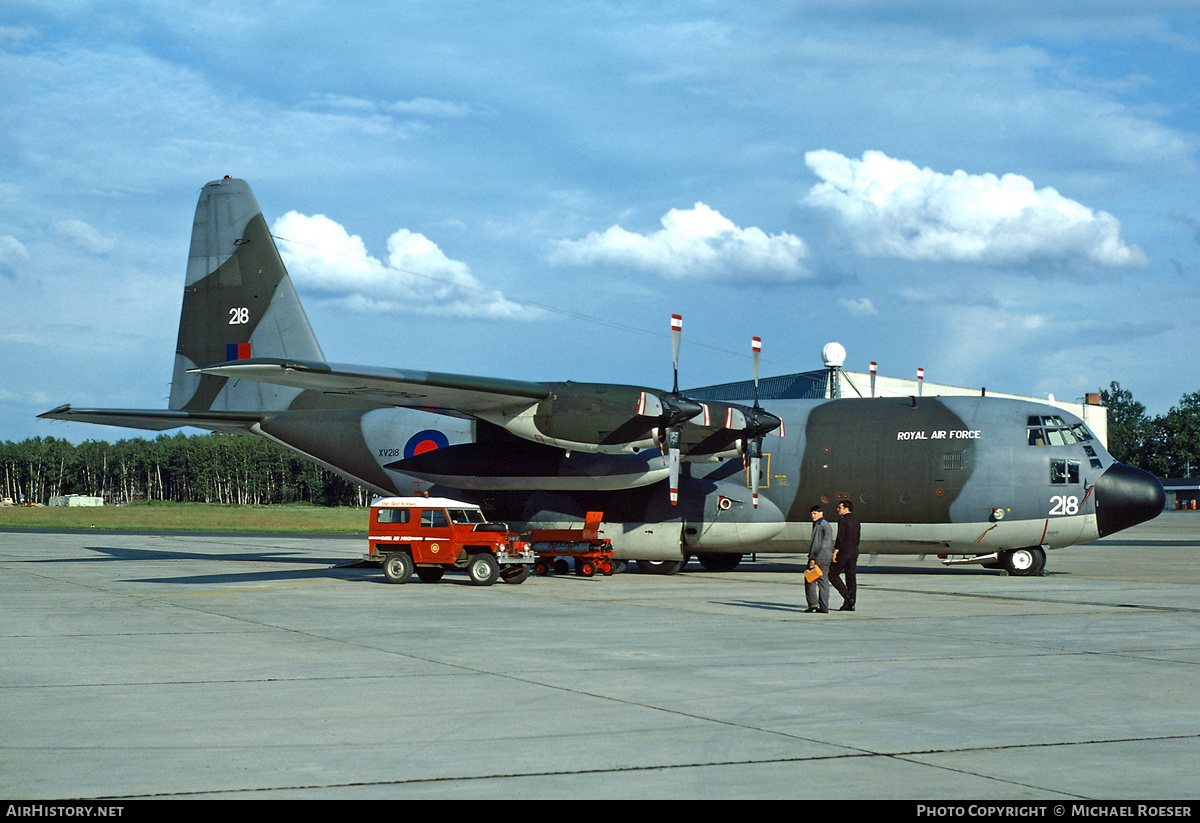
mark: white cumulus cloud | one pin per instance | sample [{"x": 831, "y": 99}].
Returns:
[
  {"x": 416, "y": 277},
  {"x": 12, "y": 253},
  {"x": 892, "y": 208},
  {"x": 862, "y": 307},
  {"x": 696, "y": 243},
  {"x": 85, "y": 236}
]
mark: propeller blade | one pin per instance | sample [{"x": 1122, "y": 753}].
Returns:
[
  {"x": 673, "y": 438},
  {"x": 756, "y": 347},
  {"x": 735, "y": 419},
  {"x": 676, "y": 333},
  {"x": 649, "y": 405},
  {"x": 755, "y": 449}
]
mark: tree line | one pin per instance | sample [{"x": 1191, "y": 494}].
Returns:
[
  {"x": 1166, "y": 446},
  {"x": 209, "y": 468}
]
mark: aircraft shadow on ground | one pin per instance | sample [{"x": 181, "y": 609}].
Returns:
[{"x": 305, "y": 566}]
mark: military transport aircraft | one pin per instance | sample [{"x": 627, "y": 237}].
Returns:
[{"x": 972, "y": 479}]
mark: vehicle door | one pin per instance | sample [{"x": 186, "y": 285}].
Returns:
[{"x": 436, "y": 543}]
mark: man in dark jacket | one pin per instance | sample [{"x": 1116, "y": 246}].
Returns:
[{"x": 845, "y": 556}]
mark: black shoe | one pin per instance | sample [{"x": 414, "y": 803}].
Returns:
[
  {"x": 847, "y": 607},
  {"x": 822, "y": 611},
  {"x": 811, "y": 610}
]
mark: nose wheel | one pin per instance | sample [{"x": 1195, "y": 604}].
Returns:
[{"x": 1024, "y": 562}]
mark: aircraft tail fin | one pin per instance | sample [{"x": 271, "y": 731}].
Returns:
[{"x": 238, "y": 302}]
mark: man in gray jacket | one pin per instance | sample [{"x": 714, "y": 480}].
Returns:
[{"x": 819, "y": 555}]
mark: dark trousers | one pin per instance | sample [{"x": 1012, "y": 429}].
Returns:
[{"x": 849, "y": 589}]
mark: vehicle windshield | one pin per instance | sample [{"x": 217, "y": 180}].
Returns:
[{"x": 466, "y": 517}]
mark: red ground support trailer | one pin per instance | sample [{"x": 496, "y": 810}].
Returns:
[
  {"x": 429, "y": 535},
  {"x": 591, "y": 552}
]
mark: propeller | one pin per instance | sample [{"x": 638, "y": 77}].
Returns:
[
  {"x": 675, "y": 434},
  {"x": 674, "y": 431},
  {"x": 674, "y": 411},
  {"x": 679, "y": 410},
  {"x": 759, "y": 423}
]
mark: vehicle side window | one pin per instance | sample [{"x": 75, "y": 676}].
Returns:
[
  {"x": 393, "y": 515},
  {"x": 433, "y": 519}
]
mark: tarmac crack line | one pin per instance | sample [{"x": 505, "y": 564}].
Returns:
[{"x": 912, "y": 757}]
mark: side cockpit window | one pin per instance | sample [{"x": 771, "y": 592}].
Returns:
[{"x": 1064, "y": 471}]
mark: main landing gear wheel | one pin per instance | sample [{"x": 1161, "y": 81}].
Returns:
[
  {"x": 483, "y": 569},
  {"x": 397, "y": 567},
  {"x": 1024, "y": 562},
  {"x": 660, "y": 566},
  {"x": 719, "y": 562}
]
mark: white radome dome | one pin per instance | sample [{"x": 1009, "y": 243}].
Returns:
[{"x": 834, "y": 355}]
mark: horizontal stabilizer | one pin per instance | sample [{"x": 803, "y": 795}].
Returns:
[{"x": 156, "y": 419}]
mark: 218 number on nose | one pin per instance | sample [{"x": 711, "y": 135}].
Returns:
[{"x": 1062, "y": 504}]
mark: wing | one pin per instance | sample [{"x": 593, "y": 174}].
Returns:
[{"x": 460, "y": 395}]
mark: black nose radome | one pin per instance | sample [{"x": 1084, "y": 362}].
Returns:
[{"x": 1126, "y": 496}]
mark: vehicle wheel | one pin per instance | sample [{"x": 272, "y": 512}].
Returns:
[
  {"x": 561, "y": 566},
  {"x": 397, "y": 567},
  {"x": 483, "y": 569},
  {"x": 1024, "y": 562},
  {"x": 542, "y": 568},
  {"x": 430, "y": 574},
  {"x": 660, "y": 566},
  {"x": 714, "y": 562},
  {"x": 585, "y": 567},
  {"x": 515, "y": 574}
]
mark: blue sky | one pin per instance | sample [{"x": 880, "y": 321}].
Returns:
[{"x": 1002, "y": 194}]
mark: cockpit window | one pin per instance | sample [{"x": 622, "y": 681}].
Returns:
[{"x": 1052, "y": 430}]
